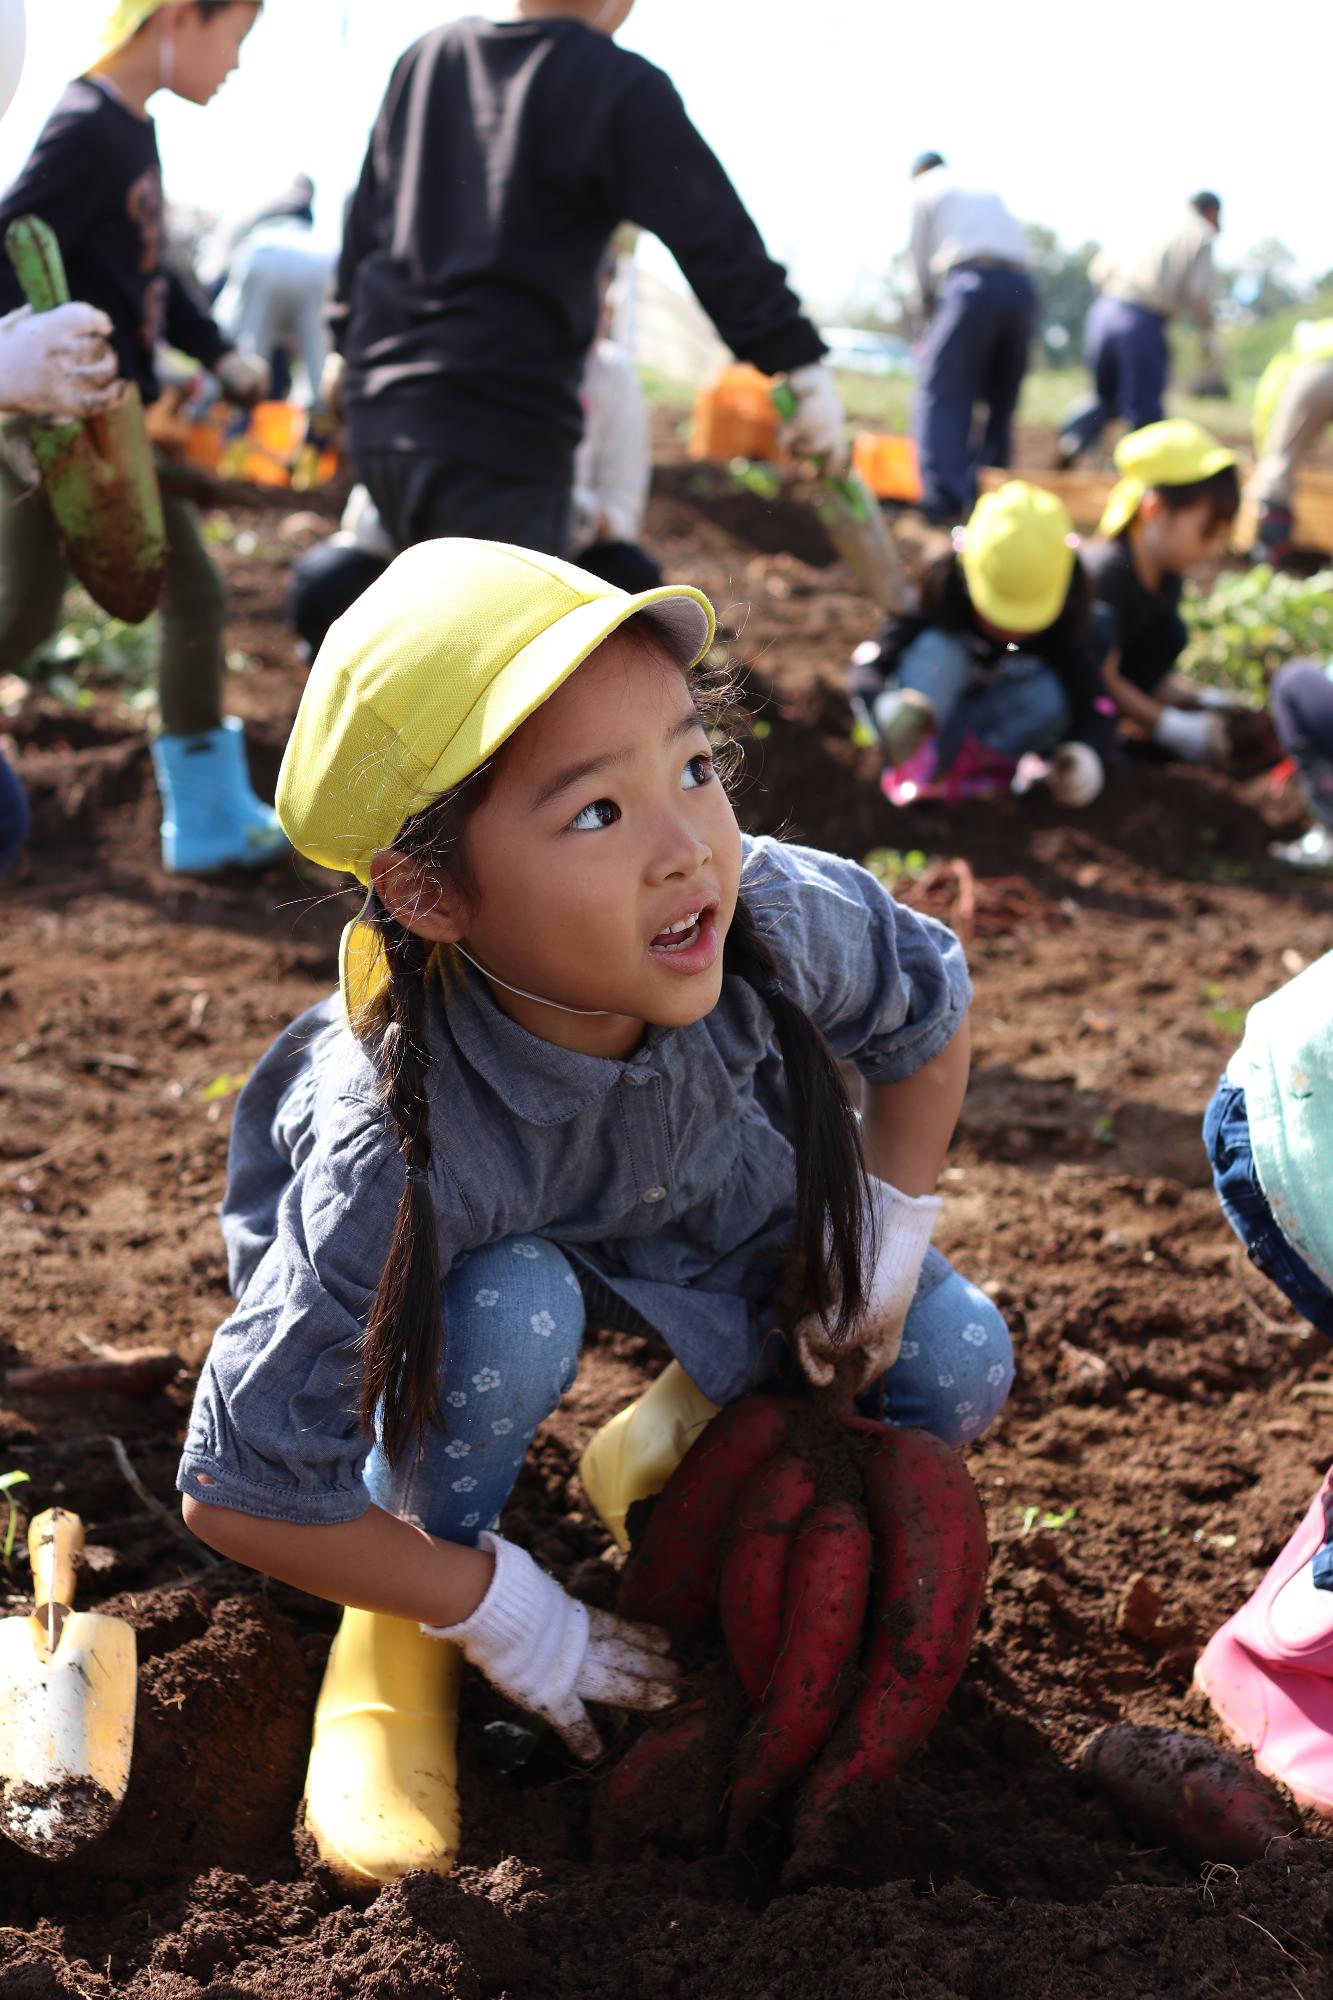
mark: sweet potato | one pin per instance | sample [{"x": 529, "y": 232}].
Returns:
[
  {"x": 768, "y": 1511},
  {"x": 828, "y": 1581},
  {"x": 931, "y": 1554},
  {"x": 1175, "y": 1789},
  {"x": 671, "y": 1578}
]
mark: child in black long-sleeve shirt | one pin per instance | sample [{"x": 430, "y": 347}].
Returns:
[
  {"x": 504, "y": 156},
  {"x": 95, "y": 177}
]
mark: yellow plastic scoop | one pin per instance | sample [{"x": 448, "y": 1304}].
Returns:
[{"x": 67, "y": 1688}]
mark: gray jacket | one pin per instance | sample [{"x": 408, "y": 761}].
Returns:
[{"x": 669, "y": 1176}]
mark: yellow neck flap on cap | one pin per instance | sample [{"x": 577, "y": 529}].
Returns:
[{"x": 122, "y": 25}]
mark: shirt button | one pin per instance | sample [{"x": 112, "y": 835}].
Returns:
[{"x": 653, "y": 1194}]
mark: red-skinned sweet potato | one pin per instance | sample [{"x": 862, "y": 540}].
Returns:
[
  {"x": 828, "y": 1581},
  {"x": 752, "y": 1586},
  {"x": 931, "y": 1555},
  {"x": 671, "y": 1578}
]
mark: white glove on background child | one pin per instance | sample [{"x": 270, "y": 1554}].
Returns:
[
  {"x": 901, "y": 1225},
  {"x": 1196, "y": 735},
  {"x": 243, "y": 378},
  {"x": 818, "y": 427},
  {"x": 550, "y": 1654},
  {"x": 59, "y": 363}
]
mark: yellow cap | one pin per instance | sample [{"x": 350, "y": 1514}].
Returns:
[
  {"x": 1018, "y": 557},
  {"x": 1175, "y": 452},
  {"x": 423, "y": 679},
  {"x": 122, "y": 24}
]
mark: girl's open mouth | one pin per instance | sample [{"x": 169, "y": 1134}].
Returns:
[{"x": 689, "y": 944}]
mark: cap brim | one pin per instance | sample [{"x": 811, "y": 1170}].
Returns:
[{"x": 683, "y": 619}]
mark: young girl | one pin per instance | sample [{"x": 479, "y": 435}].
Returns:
[
  {"x": 95, "y": 177},
  {"x": 584, "y": 1047},
  {"x": 1170, "y": 511}
]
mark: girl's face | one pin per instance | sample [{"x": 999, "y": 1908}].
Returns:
[
  {"x": 605, "y": 858},
  {"x": 206, "y": 50}
]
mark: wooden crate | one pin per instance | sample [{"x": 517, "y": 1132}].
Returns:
[{"x": 1084, "y": 493}]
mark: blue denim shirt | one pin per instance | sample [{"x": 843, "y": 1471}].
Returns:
[{"x": 668, "y": 1175}]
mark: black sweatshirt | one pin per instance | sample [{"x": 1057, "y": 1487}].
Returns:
[
  {"x": 95, "y": 177},
  {"x": 504, "y": 157}
]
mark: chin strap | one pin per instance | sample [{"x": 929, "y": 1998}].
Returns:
[{"x": 523, "y": 993}]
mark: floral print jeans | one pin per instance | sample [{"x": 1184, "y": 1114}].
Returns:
[{"x": 515, "y": 1317}]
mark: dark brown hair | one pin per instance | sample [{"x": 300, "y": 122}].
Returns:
[
  {"x": 1221, "y": 490},
  {"x": 405, "y": 1334}
]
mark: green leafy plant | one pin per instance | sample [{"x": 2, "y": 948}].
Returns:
[
  {"x": 1045, "y": 1517},
  {"x": 1230, "y": 1019},
  {"x": 225, "y": 1085},
  {"x": 8, "y": 1481},
  {"x": 1248, "y": 622},
  {"x": 890, "y": 864}
]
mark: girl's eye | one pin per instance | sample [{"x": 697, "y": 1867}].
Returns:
[
  {"x": 699, "y": 771},
  {"x": 602, "y": 812}
]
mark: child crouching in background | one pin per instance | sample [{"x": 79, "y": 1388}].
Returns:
[
  {"x": 1170, "y": 513},
  {"x": 998, "y": 660}
]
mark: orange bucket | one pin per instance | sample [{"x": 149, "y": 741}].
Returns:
[
  {"x": 734, "y": 417},
  {"x": 888, "y": 464}
]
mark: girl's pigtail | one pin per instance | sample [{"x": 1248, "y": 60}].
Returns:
[
  {"x": 405, "y": 1332},
  {"x": 830, "y": 1175}
]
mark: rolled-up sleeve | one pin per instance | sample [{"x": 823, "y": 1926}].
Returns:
[
  {"x": 888, "y": 988},
  {"x": 274, "y": 1430}
]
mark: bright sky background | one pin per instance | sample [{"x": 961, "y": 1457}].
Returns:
[{"x": 1097, "y": 123}]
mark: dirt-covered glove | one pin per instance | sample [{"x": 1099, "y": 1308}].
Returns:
[
  {"x": 901, "y": 1226},
  {"x": 550, "y": 1654},
  {"x": 817, "y": 427},
  {"x": 243, "y": 378},
  {"x": 59, "y": 363},
  {"x": 1196, "y": 735}
]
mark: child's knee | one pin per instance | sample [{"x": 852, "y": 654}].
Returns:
[
  {"x": 524, "y": 1293},
  {"x": 956, "y": 1367}
]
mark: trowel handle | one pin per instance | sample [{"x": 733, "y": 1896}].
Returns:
[
  {"x": 38, "y": 265},
  {"x": 54, "y": 1541}
]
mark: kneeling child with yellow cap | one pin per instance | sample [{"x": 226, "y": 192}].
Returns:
[
  {"x": 1171, "y": 511},
  {"x": 996, "y": 661},
  {"x": 582, "y": 1061}
]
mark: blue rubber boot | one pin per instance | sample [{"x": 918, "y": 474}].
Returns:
[{"x": 211, "y": 817}]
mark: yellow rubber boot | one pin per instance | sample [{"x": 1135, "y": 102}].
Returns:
[
  {"x": 381, "y": 1789},
  {"x": 637, "y": 1452}
]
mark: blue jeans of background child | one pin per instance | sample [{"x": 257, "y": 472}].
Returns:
[
  {"x": 1019, "y": 705},
  {"x": 1301, "y": 701},
  {"x": 975, "y": 351},
  {"x": 1226, "y": 1135},
  {"x": 1127, "y": 353},
  {"x": 515, "y": 1317},
  {"x": 14, "y": 819}
]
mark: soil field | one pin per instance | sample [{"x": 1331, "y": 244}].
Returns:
[{"x": 1168, "y": 1424}]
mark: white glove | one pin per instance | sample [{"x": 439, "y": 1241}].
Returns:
[
  {"x": 59, "y": 363},
  {"x": 817, "y": 430},
  {"x": 243, "y": 378},
  {"x": 331, "y": 380},
  {"x": 1196, "y": 735},
  {"x": 550, "y": 1654},
  {"x": 901, "y": 1226}
]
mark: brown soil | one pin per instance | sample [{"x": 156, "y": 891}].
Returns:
[{"x": 1166, "y": 1430}]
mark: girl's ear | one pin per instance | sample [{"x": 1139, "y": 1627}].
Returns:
[{"x": 417, "y": 898}]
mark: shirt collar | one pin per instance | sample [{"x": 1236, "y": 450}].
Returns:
[{"x": 538, "y": 1081}]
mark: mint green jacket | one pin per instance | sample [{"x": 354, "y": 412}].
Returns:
[{"x": 1285, "y": 1066}]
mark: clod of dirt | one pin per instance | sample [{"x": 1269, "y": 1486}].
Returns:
[
  {"x": 1184, "y": 1791},
  {"x": 1139, "y": 1612}
]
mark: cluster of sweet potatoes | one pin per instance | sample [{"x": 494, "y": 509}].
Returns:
[{"x": 844, "y": 1564}]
